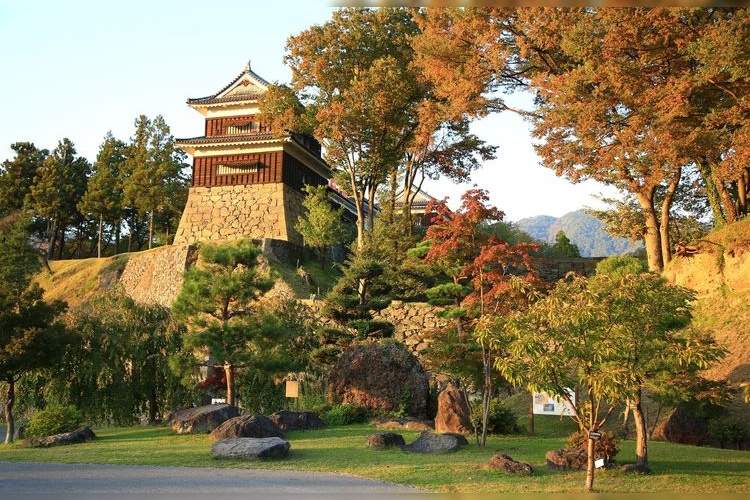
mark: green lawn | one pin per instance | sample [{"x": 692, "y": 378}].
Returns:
[{"x": 342, "y": 449}]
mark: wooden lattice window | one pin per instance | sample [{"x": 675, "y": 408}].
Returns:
[
  {"x": 241, "y": 127},
  {"x": 237, "y": 167}
]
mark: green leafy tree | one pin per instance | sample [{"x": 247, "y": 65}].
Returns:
[
  {"x": 103, "y": 197},
  {"x": 219, "y": 304},
  {"x": 117, "y": 371},
  {"x": 610, "y": 336},
  {"x": 30, "y": 336},
  {"x": 322, "y": 226},
  {"x": 648, "y": 319},
  {"x": 17, "y": 175}
]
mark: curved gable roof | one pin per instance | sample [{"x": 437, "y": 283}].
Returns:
[{"x": 246, "y": 86}]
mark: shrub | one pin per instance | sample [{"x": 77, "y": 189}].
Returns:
[
  {"x": 54, "y": 420},
  {"x": 605, "y": 448},
  {"x": 345, "y": 414},
  {"x": 501, "y": 419},
  {"x": 728, "y": 430}
]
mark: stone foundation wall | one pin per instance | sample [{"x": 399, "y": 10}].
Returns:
[
  {"x": 155, "y": 276},
  {"x": 413, "y": 321},
  {"x": 224, "y": 213}
]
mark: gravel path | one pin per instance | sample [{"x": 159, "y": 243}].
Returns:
[{"x": 54, "y": 478}]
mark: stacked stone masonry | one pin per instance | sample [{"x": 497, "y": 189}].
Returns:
[
  {"x": 413, "y": 321},
  {"x": 155, "y": 276},
  {"x": 224, "y": 213}
]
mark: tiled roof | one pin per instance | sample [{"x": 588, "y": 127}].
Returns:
[
  {"x": 216, "y": 100},
  {"x": 227, "y": 138},
  {"x": 241, "y": 97}
]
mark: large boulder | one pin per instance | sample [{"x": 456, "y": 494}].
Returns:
[
  {"x": 382, "y": 377},
  {"x": 80, "y": 435},
  {"x": 202, "y": 418},
  {"x": 250, "y": 448},
  {"x": 409, "y": 423},
  {"x": 453, "y": 413},
  {"x": 567, "y": 459},
  {"x": 251, "y": 426},
  {"x": 385, "y": 440},
  {"x": 682, "y": 426},
  {"x": 297, "y": 420},
  {"x": 429, "y": 442},
  {"x": 507, "y": 464}
]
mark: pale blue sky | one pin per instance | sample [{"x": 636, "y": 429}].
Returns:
[{"x": 78, "y": 68}]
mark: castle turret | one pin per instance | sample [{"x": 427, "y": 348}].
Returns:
[{"x": 247, "y": 180}]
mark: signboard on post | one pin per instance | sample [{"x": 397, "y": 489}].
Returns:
[
  {"x": 547, "y": 404},
  {"x": 292, "y": 389}
]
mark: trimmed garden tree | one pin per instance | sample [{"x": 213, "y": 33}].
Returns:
[
  {"x": 489, "y": 280},
  {"x": 219, "y": 304}
]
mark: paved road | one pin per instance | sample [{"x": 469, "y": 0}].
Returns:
[{"x": 72, "y": 479}]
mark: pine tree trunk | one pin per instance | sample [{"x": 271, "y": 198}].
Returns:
[
  {"x": 99, "y": 242},
  {"x": 10, "y": 424},
  {"x": 61, "y": 230},
  {"x": 117, "y": 238},
  {"x": 153, "y": 405},
  {"x": 229, "y": 372},
  {"x": 150, "y": 229},
  {"x": 641, "y": 433},
  {"x": 52, "y": 239}
]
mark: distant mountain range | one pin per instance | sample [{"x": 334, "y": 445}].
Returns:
[{"x": 585, "y": 230}]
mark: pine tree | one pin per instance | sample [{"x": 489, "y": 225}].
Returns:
[
  {"x": 219, "y": 304},
  {"x": 58, "y": 187},
  {"x": 104, "y": 196},
  {"x": 17, "y": 175},
  {"x": 29, "y": 336}
]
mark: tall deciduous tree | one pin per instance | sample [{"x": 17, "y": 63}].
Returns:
[
  {"x": 629, "y": 97},
  {"x": 219, "y": 304},
  {"x": 104, "y": 194},
  {"x": 359, "y": 91},
  {"x": 355, "y": 69},
  {"x": 30, "y": 336}
]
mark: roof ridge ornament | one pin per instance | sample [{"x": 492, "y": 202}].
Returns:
[{"x": 247, "y": 66}]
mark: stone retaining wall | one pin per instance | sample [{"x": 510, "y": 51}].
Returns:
[
  {"x": 224, "y": 213},
  {"x": 155, "y": 276},
  {"x": 413, "y": 321}
]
